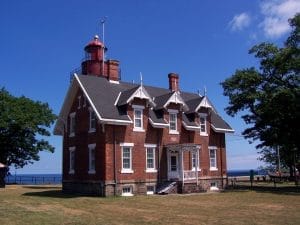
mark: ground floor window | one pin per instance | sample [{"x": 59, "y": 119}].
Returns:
[
  {"x": 150, "y": 189},
  {"x": 127, "y": 191},
  {"x": 214, "y": 186}
]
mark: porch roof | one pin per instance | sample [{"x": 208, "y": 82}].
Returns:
[{"x": 183, "y": 147}]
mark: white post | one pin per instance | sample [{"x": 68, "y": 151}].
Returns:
[{"x": 182, "y": 167}]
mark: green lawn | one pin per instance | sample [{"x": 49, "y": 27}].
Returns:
[{"x": 47, "y": 205}]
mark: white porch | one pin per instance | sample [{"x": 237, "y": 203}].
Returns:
[{"x": 176, "y": 167}]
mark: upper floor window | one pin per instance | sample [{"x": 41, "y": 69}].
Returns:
[
  {"x": 213, "y": 158},
  {"x": 203, "y": 128},
  {"x": 71, "y": 160},
  {"x": 173, "y": 121},
  {"x": 92, "y": 126},
  {"x": 138, "y": 117},
  {"x": 150, "y": 158},
  {"x": 92, "y": 161},
  {"x": 72, "y": 124},
  {"x": 126, "y": 157}
]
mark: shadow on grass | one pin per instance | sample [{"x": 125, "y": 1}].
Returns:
[
  {"x": 286, "y": 190},
  {"x": 42, "y": 187}
]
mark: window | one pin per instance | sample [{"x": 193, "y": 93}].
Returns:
[
  {"x": 92, "y": 150},
  {"x": 213, "y": 158},
  {"x": 138, "y": 117},
  {"x": 93, "y": 121},
  {"x": 150, "y": 158},
  {"x": 203, "y": 130},
  {"x": 71, "y": 160},
  {"x": 214, "y": 186},
  {"x": 127, "y": 191},
  {"x": 126, "y": 157},
  {"x": 79, "y": 102},
  {"x": 150, "y": 189},
  {"x": 195, "y": 162},
  {"x": 173, "y": 121},
  {"x": 72, "y": 124}
]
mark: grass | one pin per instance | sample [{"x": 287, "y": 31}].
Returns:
[{"x": 48, "y": 205}]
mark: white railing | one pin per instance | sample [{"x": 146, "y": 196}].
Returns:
[{"x": 189, "y": 175}]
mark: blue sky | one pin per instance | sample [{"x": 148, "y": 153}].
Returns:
[{"x": 204, "y": 42}]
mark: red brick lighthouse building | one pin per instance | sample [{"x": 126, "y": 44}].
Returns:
[{"x": 121, "y": 138}]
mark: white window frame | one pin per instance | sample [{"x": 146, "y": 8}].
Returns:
[
  {"x": 130, "y": 146},
  {"x": 204, "y": 116},
  {"x": 129, "y": 193},
  {"x": 214, "y": 186},
  {"x": 140, "y": 109},
  {"x": 91, "y": 112},
  {"x": 92, "y": 156},
  {"x": 79, "y": 102},
  {"x": 153, "y": 148},
  {"x": 213, "y": 168},
  {"x": 173, "y": 112},
  {"x": 150, "y": 192},
  {"x": 72, "y": 124},
  {"x": 72, "y": 160},
  {"x": 196, "y": 161}
]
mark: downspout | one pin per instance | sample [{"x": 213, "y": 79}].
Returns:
[{"x": 115, "y": 161}]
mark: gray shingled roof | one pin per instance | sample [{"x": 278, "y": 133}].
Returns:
[
  {"x": 157, "y": 116},
  {"x": 104, "y": 94}
]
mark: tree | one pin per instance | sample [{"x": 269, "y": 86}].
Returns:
[
  {"x": 269, "y": 98},
  {"x": 23, "y": 123}
]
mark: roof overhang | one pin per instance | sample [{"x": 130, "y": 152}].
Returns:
[
  {"x": 158, "y": 125},
  {"x": 191, "y": 128},
  {"x": 221, "y": 130}
]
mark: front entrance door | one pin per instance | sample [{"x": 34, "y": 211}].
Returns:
[{"x": 173, "y": 166}]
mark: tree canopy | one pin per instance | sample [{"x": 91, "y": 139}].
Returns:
[
  {"x": 23, "y": 124},
  {"x": 269, "y": 98}
]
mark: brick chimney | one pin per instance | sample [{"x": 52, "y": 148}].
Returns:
[{"x": 173, "y": 81}]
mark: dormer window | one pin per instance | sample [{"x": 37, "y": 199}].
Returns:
[
  {"x": 173, "y": 121},
  {"x": 92, "y": 127},
  {"x": 138, "y": 117},
  {"x": 203, "y": 128},
  {"x": 72, "y": 124}
]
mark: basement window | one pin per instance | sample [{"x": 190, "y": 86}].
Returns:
[
  {"x": 214, "y": 186},
  {"x": 150, "y": 189},
  {"x": 127, "y": 191}
]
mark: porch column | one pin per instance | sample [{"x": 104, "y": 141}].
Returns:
[
  {"x": 182, "y": 167},
  {"x": 197, "y": 164}
]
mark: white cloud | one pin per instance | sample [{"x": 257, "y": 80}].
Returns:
[
  {"x": 276, "y": 14},
  {"x": 239, "y": 22}
]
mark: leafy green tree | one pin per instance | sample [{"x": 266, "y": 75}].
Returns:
[
  {"x": 269, "y": 98},
  {"x": 23, "y": 123}
]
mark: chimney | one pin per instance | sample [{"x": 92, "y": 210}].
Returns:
[
  {"x": 173, "y": 81},
  {"x": 113, "y": 69}
]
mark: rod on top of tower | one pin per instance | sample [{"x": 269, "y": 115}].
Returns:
[
  {"x": 205, "y": 91},
  {"x": 103, "y": 20},
  {"x": 141, "y": 77}
]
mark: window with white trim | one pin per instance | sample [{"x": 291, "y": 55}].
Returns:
[
  {"x": 126, "y": 157},
  {"x": 173, "y": 121},
  {"x": 93, "y": 121},
  {"x": 150, "y": 158},
  {"x": 203, "y": 128},
  {"x": 150, "y": 189},
  {"x": 127, "y": 191},
  {"x": 213, "y": 158},
  {"x": 195, "y": 162},
  {"x": 92, "y": 159},
  {"x": 72, "y": 124},
  {"x": 71, "y": 160},
  {"x": 138, "y": 117}
]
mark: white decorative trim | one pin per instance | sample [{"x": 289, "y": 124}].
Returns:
[
  {"x": 117, "y": 99},
  {"x": 108, "y": 121},
  {"x": 221, "y": 130},
  {"x": 114, "y": 82},
  {"x": 140, "y": 93},
  {"x": 150, "y": 145},
  {"x": 151, "y": 170},
  {"x": 158, "y": 125},
  {"x": 205, "y": 104},
  {"x": 126, "y": 144},
  {"x": 175, "y": 98}
]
